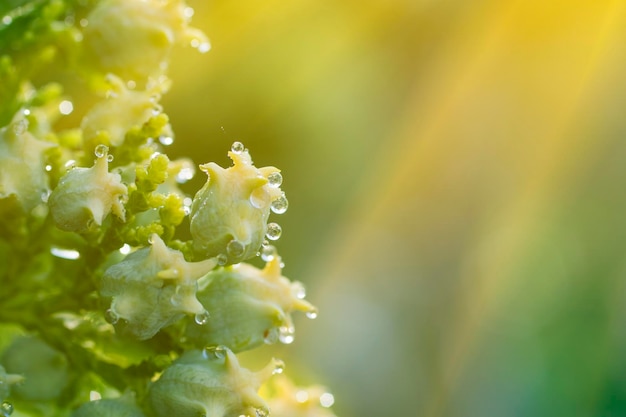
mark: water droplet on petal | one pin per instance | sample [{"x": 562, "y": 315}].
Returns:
[
  {"x": 298, "y": 290},
  {"x": 166, "y": 140},
  {"x": 202, "y": 318},
  {"x": 235, "y": 249},
  {"x": 45, "y": 195},
  {"x": 273, "y": 231},
  {"x": 204, "y": 47},
  {"x": 222, "y": 259},
  {"x": 286, "y": 335},
  {"x": 186, "y": 172},
  {"x": 110, "y": 158},
  {"x": 237, "y": 147},
  {"x": 188, "y": 12},
  {"x": 6, "y": 408},
  {"x": 262, "y": 412},
  {"x": 327, "y": 399},
  {"x": 312, "y": 314},
  {"x": 71, "y": 164},
  {"x": 214, "y": 352},
  {"x": 275, "y": 179},
  {"x": 279, "y": 368},
  {"x": 271, "y": 336},
  {"x": 280, "y": 205},
  {"x": 20, "y": 127},
  {"x": 101, "y": 150},
  {"x": 268, "y": 253},
  {"x": 111, "y": 317},
  {"x": 48, "y": 168},
  {"x": 125, "y": 249}
]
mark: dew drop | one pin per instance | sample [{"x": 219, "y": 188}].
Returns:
[
  {"x": 275, "y": 179},
  {"x": 214, "y": 352},
  {"x": 237, "y": 147},
  {"x": 273, "y": 231},
  {"x": 280, "y": 205},
  {"x": 202, "y": 318},
  {"x": 262, "y": 412},
  {"x": 111, "y": 317},
  {"x": 110, "y": 158},
  {"x": 48, "y": 168},
  {"x": 268, "y": 253},
  {"x": 259, "y": 198},
  {"x": 312, "y": 314},
  {"x": 66, "y": 107},
  {"x": 125, "y": 249},
  {"x": 235, "y": 249},
  {"x": 298, "y": 290},
  {"x": 6, "y": 408},
  {"x": 45, "y": 195},
  {"x": 204, "y": 47},
  {"x": 286, "y": 335},
  {"x": 71, "y": 164},
  {"x": 26, "y": 112},
  {"x": 279, "y": 368},
  {"x": 7, "y": 20},
  {"x": 83, "y": 22},
  {"x": 327, "y": 399},
  {"x": 186, "y": 172},
  {"x": 302, "y": 396},
  {"x": 188, "y": 12},
  {"x": 222, "y": 259},
  {"x": 20, "y": 127},
  {"x": 166, "y": 140},
  {"x": 101, "y": 150},
  {"x": 271, "y": 336}
]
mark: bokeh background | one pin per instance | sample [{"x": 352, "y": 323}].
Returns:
[{"x": 456, "y": 173}]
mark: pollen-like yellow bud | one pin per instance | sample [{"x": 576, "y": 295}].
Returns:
[
  {"x": 85, "y": 196},
  {"x": 152, "y": 288}
]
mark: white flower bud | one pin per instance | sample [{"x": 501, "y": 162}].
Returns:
[
  {"x": 122, "y": 110},
  {"x": 248, "y": 307},
  {"x": 153, "y": 288},
  {"x": 85, "y": 196},
  {"x": 22, "y": 170},
  {"x": 229, "y": 214},
  {"x": 210, "y": 383},
  {"x": 133, "y": 38}
]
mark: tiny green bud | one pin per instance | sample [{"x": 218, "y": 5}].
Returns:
[
  {"x": 248, "y": 307},
  {"x": 85, "y": 196},
  {"x": 210, "y": 383},
  {"x": 229, "y": 214},
  {"x": 154, "y": 287}
]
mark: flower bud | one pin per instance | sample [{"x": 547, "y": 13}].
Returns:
[
  {"x": 153, "y": 288},
  {"x": 85, "y": 196},
  {"x": 133, "y": 38},
  {"x": 122, "y": 110},
  {"x": 210, "y": 383},
  {"x": 248, "y": 306},
  {"x": 229, "y": 214},
  {"x": 22, "y": 171},
  {"x": 45, "y": 370},
  {"x": 114, "y": 407}
]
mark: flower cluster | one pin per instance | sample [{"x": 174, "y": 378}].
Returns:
[{"x": 108, "y": 307}]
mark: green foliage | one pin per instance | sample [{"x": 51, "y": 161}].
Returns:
[{"x": 99, "y": 300}]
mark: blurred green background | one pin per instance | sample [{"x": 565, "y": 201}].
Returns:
[{"x": 455, "y": 171}]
